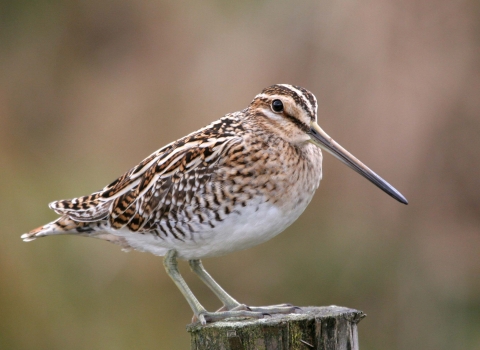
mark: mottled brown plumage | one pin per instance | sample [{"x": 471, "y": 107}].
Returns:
[
  {"x": 199, "y": 181},
  {"x": 231, "y": 185}
]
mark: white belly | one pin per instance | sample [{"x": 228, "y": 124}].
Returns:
[{"x": 251, "y": 226}]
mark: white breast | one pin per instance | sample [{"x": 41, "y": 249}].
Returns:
[{"x": 252, "y": 225}]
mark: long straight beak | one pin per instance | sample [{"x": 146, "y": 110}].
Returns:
[{"x": 322, "y": 140}]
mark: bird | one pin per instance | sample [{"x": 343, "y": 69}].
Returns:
[{"x": 229, "y": 186}]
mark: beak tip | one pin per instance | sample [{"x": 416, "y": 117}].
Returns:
[{"x": 401, "y": 199}]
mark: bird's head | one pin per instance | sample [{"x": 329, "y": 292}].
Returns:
[
  {"x": 291, "y": 112},
  {"x": 286, "y": 110}
]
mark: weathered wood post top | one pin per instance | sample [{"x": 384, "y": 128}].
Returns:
[{"x": 325, "y": 328}]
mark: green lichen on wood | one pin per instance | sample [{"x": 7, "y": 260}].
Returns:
[{"x": 323, "y": 328}]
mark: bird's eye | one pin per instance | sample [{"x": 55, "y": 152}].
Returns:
[{"x": 277, "y": 106}]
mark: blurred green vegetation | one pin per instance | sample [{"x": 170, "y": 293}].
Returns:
[{"x": 89, "y": 88}]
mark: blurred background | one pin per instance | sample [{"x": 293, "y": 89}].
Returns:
[{"x": 90, "y": 88}]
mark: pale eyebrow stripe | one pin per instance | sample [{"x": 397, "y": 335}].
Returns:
[{"x": 301, "y": 95}]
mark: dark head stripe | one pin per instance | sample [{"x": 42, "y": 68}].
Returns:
[
  {"x": 301, "y": 96},
  {"x": 311, "y": 98}
]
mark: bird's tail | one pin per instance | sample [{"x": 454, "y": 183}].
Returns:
[
  {"x": 61, "y": 226},
  {"x": 65, "y": 226}
]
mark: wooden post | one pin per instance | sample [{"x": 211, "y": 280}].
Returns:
[{"x": 323, "y": 328}]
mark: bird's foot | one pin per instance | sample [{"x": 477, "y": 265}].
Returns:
[
  {"x": 244, "y": 311},
  {"x": 205, "y": 316},
  {"x": 266, "y": 310},
  {"x": 271, "y": 309}
]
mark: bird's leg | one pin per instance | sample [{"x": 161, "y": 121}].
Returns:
[
  {"x": 230, "y": 303},
  {"x": 171, "y": 266}
]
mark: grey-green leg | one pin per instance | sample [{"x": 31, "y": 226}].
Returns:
[
  {"x": 171, "y": 266},
  {"x": 229, "y": 302},
  {"x": 225, "y": 298}
]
